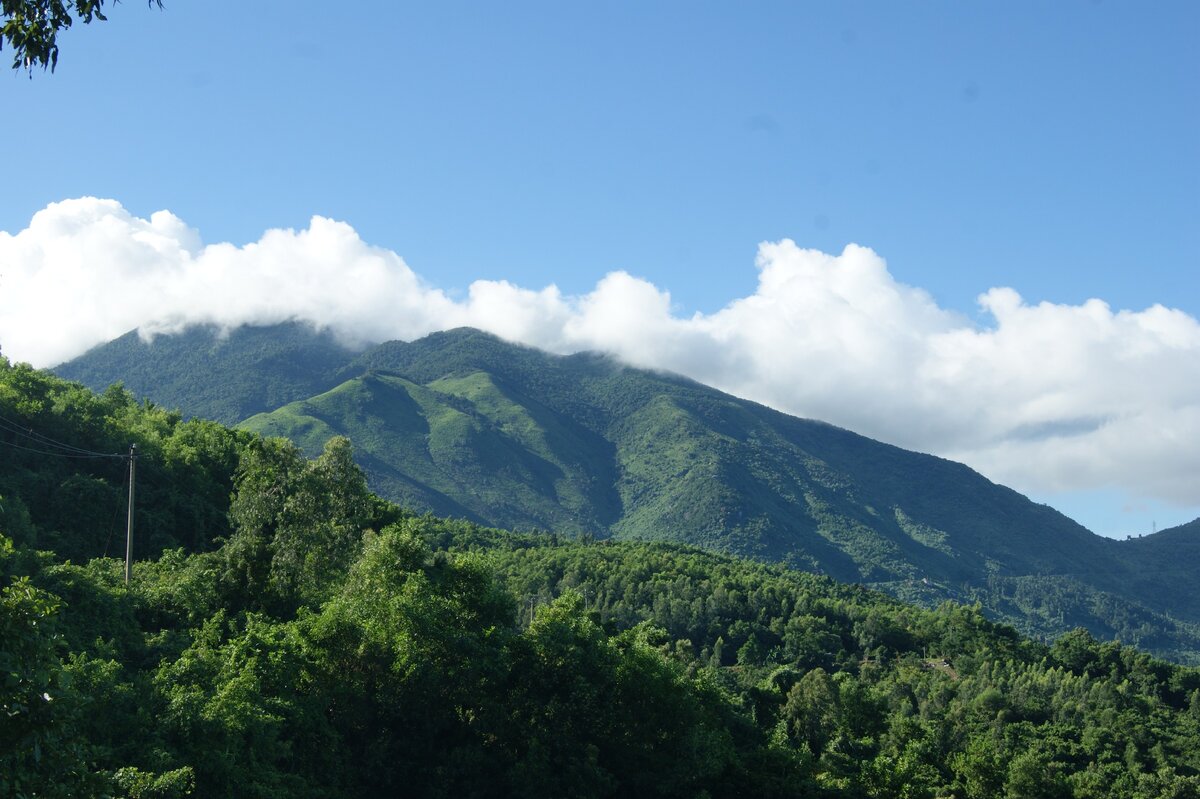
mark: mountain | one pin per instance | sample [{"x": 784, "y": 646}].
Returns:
[
  {"x": 285, "y": 633},
  {"x": 676, "y": 461},
  {"x": 1167, "y": 559},
  {"x": 225, "y": 376},
  {"x": 464, "y": 424}
]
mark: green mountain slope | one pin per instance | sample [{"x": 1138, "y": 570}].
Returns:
[
  {"x": 214, "y": 376},
  {"x": 285, "y": 633},
  {"x": 694, "y": 465},
  {"x": 1167, "y": 562},
  {"x": 460, "y": 447},
  {"x": 463, "y": 424}
]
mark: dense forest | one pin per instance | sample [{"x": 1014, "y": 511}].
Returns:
[
  {"x": 288, "y": 633},
  {"x": 466, "y": 425}
]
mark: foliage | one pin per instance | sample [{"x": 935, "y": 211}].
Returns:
[
  {"x": 877, "y": 698},
  {"x": 462, "y": 424},
  {"x": 31, "y": 684},
  {"x": 217, "y": 374},
  {"x": 430, "y": 657},
  {"x": 31, "y": 27},
  {"x": 635, "y": 675},
  {"x": 298, "y": 523},
  {"x": 52, "y": 498}
]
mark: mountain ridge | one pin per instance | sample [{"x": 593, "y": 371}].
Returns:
[
  {"x": 211, "y": 369},
  {"x": 461, "y": 423}
]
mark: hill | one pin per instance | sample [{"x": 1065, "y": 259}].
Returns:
[
  {"x": 464, "y": 424},
  {"x": 288, "y": 634},
  {"x": 224, "y": 376},
  {"x": 1167, "y": 559}
]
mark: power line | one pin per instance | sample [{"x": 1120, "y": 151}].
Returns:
[
  {"x": 60, "y": 449},
  {"x": 40, "y": 438},
  {"x": 91, "y": 455},
  {"x": 45, "y": 445}
]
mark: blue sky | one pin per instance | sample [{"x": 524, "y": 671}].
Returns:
[{"x": 1049, "y": 147}]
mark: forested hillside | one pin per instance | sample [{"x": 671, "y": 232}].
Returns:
[
  {"x": 1168, "y": 558},
  {"x": 221, "y": 375},
  {"x": 465, "y": 425},
  {"x": 286, "y": 633}
]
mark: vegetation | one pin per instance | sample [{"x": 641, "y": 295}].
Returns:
[
  {"x": 221, "y": 375},
  {"x": 293, "y": 635},
  {"x": 463, "y": 424},
  {"x": 64, "y": 499},
  {"x": 31, "y": 27}
]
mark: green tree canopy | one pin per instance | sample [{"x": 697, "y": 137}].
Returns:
[{"x": 31, "y": 27}]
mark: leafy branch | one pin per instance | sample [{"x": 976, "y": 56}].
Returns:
[{"x": 31, "y": 27}]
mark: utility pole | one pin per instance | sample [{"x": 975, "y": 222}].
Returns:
[{"x": 129, "y": 519}]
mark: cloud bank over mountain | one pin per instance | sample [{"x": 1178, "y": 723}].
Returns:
[{"x": 1043, "y": 397}]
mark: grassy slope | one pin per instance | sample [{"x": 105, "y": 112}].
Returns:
[{"x": 458, "y": 447}]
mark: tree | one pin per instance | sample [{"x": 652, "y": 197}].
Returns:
[
  {"x": 31, "y": 27},
  {"x": 810, "y": 714},
  {"x": 298, "y": 523},
  {"x": 41, "y": 750}
]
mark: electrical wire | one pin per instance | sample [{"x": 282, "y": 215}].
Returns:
[
  {"x": 49, "y": 446},
  {"x": 45, "y": 445},
  {"x": 40, "y": 438},
  {"x": 92, "y": 456}
]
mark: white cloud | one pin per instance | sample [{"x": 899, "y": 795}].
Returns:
[{"x": 1046, "y": 398}]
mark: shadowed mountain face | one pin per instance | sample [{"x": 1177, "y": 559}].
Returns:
[
  {"x": 1167, "y": 564},
  {"x": 463, "y": 424}
]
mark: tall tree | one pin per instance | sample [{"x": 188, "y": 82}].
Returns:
[{"x": 299, "y": 523}]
